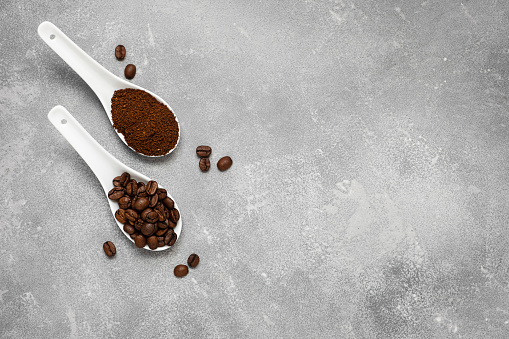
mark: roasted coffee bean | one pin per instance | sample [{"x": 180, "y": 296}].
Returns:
[
  {"x": 140, "y": 204},
  {"x": 160, "y": 216},
  {"x": 152, "y": 217},
  {"x": 171, "y": 224},
  {"x": 152, "y": 202},
  {"x": 148, "y": 229},
  {"x": 152, "y": 242},
  {"x": 160, "y": 243},
  {"x": 151, "y": 187},
  {"x": 224, "y": 163},
  {"x": 131, "y": 188},
  {"x": 162, "y": 224},
  {"x": 124, "y": 202},
  {"x": 145, "y": 213},
  {"x": 130, "y": 71},
  {"x": 159, "y": 206},
  {"x": 203, "y": 151},
  {"x": 131, "y": 215},
  {"x": 161, "y": 233},
  {"x": 120, "y": 52},
  {"x": 168, "y": 203},
  {"x": 134, "y": 235},
  {"x": 138, "y": 224},
  {"x": 193, "y": 260},
  {"x": 125, "y": 178},
  {"x": 161, "y": 192},
  {"x": 141, "y": 191},
  {"x": 140, "y": 241},
  {"x": 120, "y": 215},
  {"x": 116, "y": 193},
  {"x": 129, "y": 229},
  {"x": 170, "y": 238},
  {"x": 204, "y": 164},
  {"x": 116, "y": 182},
  {"x": 180, "y": 271},
  {"x": 174, "y": 215},
  {"x": 109, "y": 249}
]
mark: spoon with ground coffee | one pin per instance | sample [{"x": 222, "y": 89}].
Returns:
[
  {"x": 105, "y": 166},
  {"x": 142, "y": 119}
]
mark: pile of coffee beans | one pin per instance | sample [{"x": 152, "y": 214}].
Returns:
[
  {"x": 203, "y": 152},
  {"x": 147, "y": 212},
  {"x": 182, "y": 270}
]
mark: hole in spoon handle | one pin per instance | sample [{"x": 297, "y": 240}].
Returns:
[{"x": 102, "y": 163}]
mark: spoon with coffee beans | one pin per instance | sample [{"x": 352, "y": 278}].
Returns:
[
  {"x": 156, "y": 131},
  {"x": 144, "y": 211}
]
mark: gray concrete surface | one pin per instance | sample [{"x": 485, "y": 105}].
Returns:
[{"x": 368, "y": 196}]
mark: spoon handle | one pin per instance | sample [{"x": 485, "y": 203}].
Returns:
[
  {"x": 95, "y": 75},
  {"x": 103, "y": 164}
]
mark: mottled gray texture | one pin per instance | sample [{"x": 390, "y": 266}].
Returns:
[{"x": 368, "y": 196}]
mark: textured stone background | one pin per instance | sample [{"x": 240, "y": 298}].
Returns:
[{"x": 368, "y": 196}]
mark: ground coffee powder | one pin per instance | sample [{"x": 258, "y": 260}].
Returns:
[{"x": 148, "y": 126}]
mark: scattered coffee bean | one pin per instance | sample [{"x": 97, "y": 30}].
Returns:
[
  {"x": 224, "y": 163},
  {"x": 204, "y": 164},
  {"x": 144, "y": 214},
  {"x": 120, "y": 52},
  {"x": 130, "y": 71},
  {"x": 109, "y": 249},
  {"x": 203, "y": 151},
  {"x": 180, "y": 271},
  {"x": 193, "y": 260},
  {"x": 116, "y": 193}
]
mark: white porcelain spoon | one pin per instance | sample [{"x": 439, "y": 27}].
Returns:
[
  {"x": 103, "y": 164},
  {"x": 101, "y": 81}
]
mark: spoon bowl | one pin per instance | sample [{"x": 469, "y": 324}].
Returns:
[
  {"x": 101, "y": 81},
  {"x": 104, "y": 165}
]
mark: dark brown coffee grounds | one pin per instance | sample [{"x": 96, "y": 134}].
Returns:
[{"x": 148, "y": 126}]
